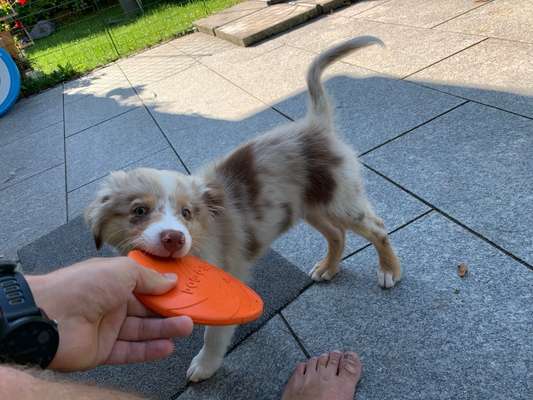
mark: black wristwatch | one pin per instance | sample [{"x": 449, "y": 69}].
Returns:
[{"x": 27, "y": 335}]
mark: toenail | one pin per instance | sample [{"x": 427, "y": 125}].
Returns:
[
  {"x": 350, "y": 367},
  {"x": 351, "y": 355}
]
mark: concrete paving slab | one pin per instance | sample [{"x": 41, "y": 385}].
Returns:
[
  {"x": 237, "y": 55},
  {"x": 495, "y": 72},
  {"x": 473, "y": 163},
  {"x": 359, "y": 7},
  {"x": 97, "y": 97},
  {"x": 267, "y": 22},
  {"x": 436, "y": 335},
  {"x": 32, "y": 208},
  {"x": 406, "y": 50},
  {"x": 31, "y": 115},
  {"x": 204, "y": 127},
  {"x": 505, "y": 19},
  {"x": 66, "y": 245},
  {"x": 81, "y": 197},
  {"x": 31, "y": 155},
  {"x": 96, "y": 83},
  {"x": 423, "y": 14},
  {"x": 209, "y": 24},
  {"x": 304, "y": 246},
  {"x": 199, "y": 45},
  {"x": 269, "y": 76},
  {"x": 243, "y": 377},
  {"x": 155, "y": 64},
  {"x": 111, "y": 145},
  {"x": 369, "y": 109}
]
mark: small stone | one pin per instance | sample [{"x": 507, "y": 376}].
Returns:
[
  {"x": 462, "y": 270},
  {"x": 455, "y": 291},
  {"x": 42, "y": 29}
]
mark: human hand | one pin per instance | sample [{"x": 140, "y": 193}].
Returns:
[{"x": 100, "y": 320}]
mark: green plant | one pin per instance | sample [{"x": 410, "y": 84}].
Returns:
[
  {"x": 6, "y": 11},
  {"x": 39, "y": 81}
]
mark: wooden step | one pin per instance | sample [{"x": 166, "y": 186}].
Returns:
[{"x": 252, "y": 21}]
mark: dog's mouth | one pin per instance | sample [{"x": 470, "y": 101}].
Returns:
[{"x": 159, "y": 250}]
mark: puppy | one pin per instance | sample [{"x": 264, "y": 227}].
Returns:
[{"x": 230, "y": 212}]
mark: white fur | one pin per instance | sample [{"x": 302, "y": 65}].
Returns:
[{"x": 151, "y": 235}]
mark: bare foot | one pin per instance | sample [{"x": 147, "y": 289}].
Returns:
[{"x": 331, "y": 376}]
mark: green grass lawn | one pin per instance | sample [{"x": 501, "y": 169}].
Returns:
[{"x": 84, "y": 44}]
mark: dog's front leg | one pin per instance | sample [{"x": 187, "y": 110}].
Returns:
[{"x": 209, "y": 359}]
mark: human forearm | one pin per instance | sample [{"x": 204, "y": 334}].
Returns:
[{"x": 26, "y": 384}]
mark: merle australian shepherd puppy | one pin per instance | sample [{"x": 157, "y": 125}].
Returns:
[{"x": 231, "y": 211}]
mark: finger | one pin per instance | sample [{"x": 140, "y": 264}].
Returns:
[
  {"x": 137, "y": 309},
  {"x": 148, "y": 281},
  {"x": 137, "y": 329},
  {"x": 124, "y": 352}
]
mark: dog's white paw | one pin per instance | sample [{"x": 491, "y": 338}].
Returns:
[
  {"x": 321, "y": 273},
  {"x": 386, "y": 279},
  {"x": 203, "y": 366}
]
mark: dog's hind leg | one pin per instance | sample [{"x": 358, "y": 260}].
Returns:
[
  {"x": 329, "y": 266},
  {"x": 371, "y": 227}
]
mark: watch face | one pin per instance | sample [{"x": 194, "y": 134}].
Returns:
[{"x": 31, "y": 340}]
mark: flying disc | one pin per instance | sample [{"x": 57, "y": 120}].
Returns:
[
  {"x": 9, "y": 82},
  {"x": 207, "y": 294}
]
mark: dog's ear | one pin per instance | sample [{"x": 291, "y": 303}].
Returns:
[
  {"x": 213, "y": 198},
  {"x": 95, "y": 216},
  {"x": 100, "y": 210}
]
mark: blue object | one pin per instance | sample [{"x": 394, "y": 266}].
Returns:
[{"x": 9, "y": 82}]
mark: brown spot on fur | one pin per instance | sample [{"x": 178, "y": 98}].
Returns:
[
  {"x": 239, "y": 172},
  {"x": 252, "y": 245},
  {"x": 213, "y": 198},
  {"x": 286, "y": 222},
  {"x": 320, "y": 163}
]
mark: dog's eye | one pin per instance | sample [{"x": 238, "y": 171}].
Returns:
[
  {"x": 140, "y": 211},
  {"x": 186, "y": 213}
]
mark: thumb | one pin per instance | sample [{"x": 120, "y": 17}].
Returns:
[{"x": 151, "y": 282}]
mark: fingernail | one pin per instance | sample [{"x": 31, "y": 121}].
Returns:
[{"x": 171, "y": 277}]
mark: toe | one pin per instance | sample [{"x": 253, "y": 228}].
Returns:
[
  {"x": 322, "y": 362},
  {"x": 331, "y": 368},
  {"x": 350, "y": 366},
  {"x": 334, "y": 360},
  {"x": 310, "y": 367},
  {"x": 385, "y": 280}
]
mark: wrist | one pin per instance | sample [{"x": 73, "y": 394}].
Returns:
[
  {"x": 41, "y": 291},
  {"x": 27, "y": 335}
]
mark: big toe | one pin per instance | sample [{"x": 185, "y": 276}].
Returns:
[{"x": 350, "y": 366}]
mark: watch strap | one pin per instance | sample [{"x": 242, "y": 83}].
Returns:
[{"x": 16, "y": 299}]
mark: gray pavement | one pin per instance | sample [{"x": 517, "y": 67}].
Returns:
[{"x": 443, "y": 121}]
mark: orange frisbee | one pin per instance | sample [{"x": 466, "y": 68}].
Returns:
[{"x": 207, "y": 294}]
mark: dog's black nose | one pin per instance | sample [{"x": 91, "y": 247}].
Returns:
[{"x": 171, "y": 240}]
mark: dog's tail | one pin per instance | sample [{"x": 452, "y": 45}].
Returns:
[{"x": 319, "y": 103}]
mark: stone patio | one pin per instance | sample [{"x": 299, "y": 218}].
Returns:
[{"x": 443, "y": 121}]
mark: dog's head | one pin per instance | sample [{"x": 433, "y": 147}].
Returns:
[{"x": 164, "y": 213}]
